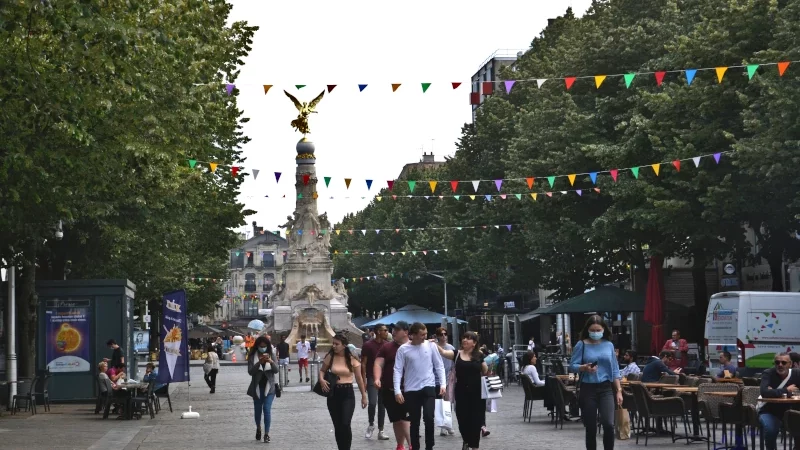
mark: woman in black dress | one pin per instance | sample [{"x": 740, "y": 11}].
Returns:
[{"x": 470, "y": 407}]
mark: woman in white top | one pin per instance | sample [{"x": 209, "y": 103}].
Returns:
[
  {"x": 211, "y": 367},
  {"x": 529, "y": 368}
]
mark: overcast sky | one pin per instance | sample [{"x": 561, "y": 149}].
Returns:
[{"x": 369, "y": 134}]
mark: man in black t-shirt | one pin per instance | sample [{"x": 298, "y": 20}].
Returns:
[
  {"x": 283, "y": 356},
  {"x": 116, "y": 354},
  {"x": 383, "y": 375}
]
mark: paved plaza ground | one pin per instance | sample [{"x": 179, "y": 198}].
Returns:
[{"x": 300, "y": 420}]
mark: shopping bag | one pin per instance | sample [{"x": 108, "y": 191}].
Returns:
[
  {"x": 443, "y": 415},
  {"x": 491, "y": 387},
  {"x": 491, "y": 405},
  {"x": 622, "y": 424}
]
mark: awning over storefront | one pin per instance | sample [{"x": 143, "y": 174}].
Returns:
[{"x": 602, "y": 299}]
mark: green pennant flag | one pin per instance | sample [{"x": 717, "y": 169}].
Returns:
[
  {"x": 629, "y": 79},
  {"x": 551, "y": 180},
  {"x": 411, "y": 185},
  {"x": 635, "y": 171},
  {"x": 519, "y": 196},
  {"x": 327, "y": 181},
  {"x": 459, "y": 228},
  {"x": 299, "y": 195},
  {"x": 299, "y": 86},
  {"x": 347, "y": 252},
  {"x": 414, "y": 252},
  {"x": 192, "y": 163},
  {"x": 457, "y": 197},
  {"x": 751, "y": 70},
  {"x": 425, "y": 87}
]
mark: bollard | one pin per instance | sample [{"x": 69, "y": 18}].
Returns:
[{"x": 313, "y": 369}]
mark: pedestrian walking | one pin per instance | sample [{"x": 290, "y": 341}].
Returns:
[
  {"x": 470, "y": 407},
  {"x": 211, "y": 367},
  {"x": 312, "y": 345},
  {"x": 303, "y": 348},
  {"x": 598, "y": 369},
  {"x": 283, "y": 357},
  {"x": 418, "y": 379},
  {"x": 441, "y": 340},
  {"x": 262, "y": 368},
  {"x": 369, "y": 353},
  {"x": 384, "y": 381},
  {"x": 342, "y": 400}
]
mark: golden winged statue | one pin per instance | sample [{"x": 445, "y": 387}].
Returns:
[{"x": 305, "y": 109}]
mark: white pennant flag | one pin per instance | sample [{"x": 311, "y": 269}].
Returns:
[
  {"x": 377, "y": 231},
  {"x": 696, "y": 160},
  {"x": 540, "y": 82},
  {"x": 475, "y": 185},
  {"x": 364, "y": 232},
  {"x": 255, "y": 174},
  {"x": 436, "y": 252}
]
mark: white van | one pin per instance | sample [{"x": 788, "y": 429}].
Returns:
[{"x": 752, "y": 326}]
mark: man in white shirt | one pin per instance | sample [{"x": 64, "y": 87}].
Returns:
[
  {"x": 303, "y": 348},
  {"x": 531, "y": 345},
  {"x": 419, "y": 366},
  {"x": 629, "y": 358}
]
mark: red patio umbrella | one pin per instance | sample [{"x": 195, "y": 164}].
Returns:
[{"x": 654, "y": 304}]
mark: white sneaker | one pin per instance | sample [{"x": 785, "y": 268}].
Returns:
[
  {"x": 370, "y": 430},
  {"x": 443, "y": 432},
  {"x": 451, "y": 432},
  {"x": 382, "y": 436}
]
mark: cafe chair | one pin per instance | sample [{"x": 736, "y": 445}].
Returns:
[
  {"x": 791, "y": 424},
  {"x": 29, "y": 398},
  {"x": 651, "y": 408},
  {"x": 708, "y": 405},
  {"x": 44, "y": 393}
]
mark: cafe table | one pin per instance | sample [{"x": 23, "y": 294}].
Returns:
[{"x": 130, "y": 388}]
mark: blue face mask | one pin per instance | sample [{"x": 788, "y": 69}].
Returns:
[
  {"x": 595, "y": 335},
  {"x": 262, "y": 349}
]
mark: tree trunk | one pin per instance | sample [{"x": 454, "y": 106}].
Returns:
[
  {"x": 699, "y": 264},
  {"x": 775, "y": 262},
  {"x": 28, "y": 303}
]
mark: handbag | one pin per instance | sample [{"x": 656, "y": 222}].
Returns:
[
  {"x": 331, "y": 378},
  {"x": 760, "y": 405},
  {"x": 622, "y": 424}
]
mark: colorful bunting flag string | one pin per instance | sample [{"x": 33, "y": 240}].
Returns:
[
  {"x": 351, "y": 279},
  {"x": 365, "y": 231},
  {"x": 401, "y": 253},
  {"x": 487, "y": 197}
]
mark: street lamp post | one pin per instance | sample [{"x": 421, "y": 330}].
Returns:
[
  {"x": 11, "y": 345},
  {"x": 445, "y": 289}
]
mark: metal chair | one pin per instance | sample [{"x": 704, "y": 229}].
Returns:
[{"x": 29, "y": 398}]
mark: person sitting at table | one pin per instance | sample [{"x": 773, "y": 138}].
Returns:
[
  {"x": 795, "y": 357},
  {"x": 102, "y": 369},
  {"x": 631, "y": 368},
  {"x": 529, "y": 368},
  {"x": 725, "y": 365},
  {"x": 653, "y": 370},
  {"x": 775, "y": 383},
  {"x": 151, "y": 373},
  {"x": 117, "y": 374}
]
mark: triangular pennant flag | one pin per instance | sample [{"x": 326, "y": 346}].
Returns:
[
  {"x": 677, "y": 164},
  {"x": 782, "y": 66},
  {"x": 549, "y": 194},
  {"x": 277, "y": 177},
  {"x": 457, "y": 197},
  {"x": 563, "y": 192},
  {"x": 751, "y": 70},
  {"x": 364, "y": 232},
  {"x": 720, "y": 73},
  {"x": 690, "y": 73},
  {"x": 635, "y": 171},
  {"x": 456, "y": 85},
  {"x": 656, "y": 167},
  {"x": 347, "y": 182},
  {"x": 395, "y": 86},
  {"x": 377, "y": 231},
  {"x": 394, "y": 197},
  {"x": 519, "y": 196},
  {"x": 696, "y": 160},
  {"x": 425, "y": 252},
  {"x": 299, "y": 195},
  {"x": 508, "y": 227},
  {"x": 614, "y": 174},
  {"x": 569, "y": 81},
  {"x": 306, "y": 177},
  {"x": 390, "y": 183},
  {"x": 593, "y": 177},
  {"x": 230, "y": 88},
  {"x": 454, "y": 185},
  {"x": 299, "y": 86},
  {"x": 266, "y": 88},
  {"x": 234, "y": 171},
  {"x": 432, "y": 184},
  {"x": 331, "y": 87},
  {"x": 425, "y": 87},
  {"x": 475, "y": 184},
  {"x": 540, "y": 82},
  {"x": 529, "y": 180},
  {"x": 579, "y": 192},
  {"x": 571, "y": 178},
  {"x": 497, "y": 227},
  {"x": 717, "y": 156},
  {"x": 255, "y": 174},
  {"x": 488, "y": 197},
  {"x": 327, "y": 181},
  {"x": 192, "y": 163},
  {"x": 361, "y": 87},
  {"x": 660, "y": 77},
  {"x": 551, "y": 179},
  {"x": 534, "y": 195},
  {"x": 509, "y": 84},
  {"x": 213, "y": 166},
  {"x": 503, "y": 196},
  {"x": 629, "y": 79},
  {"x": 472, "y": 197},
  {"x": 379, "y": 198},
  {"x": 411, "y": 185},
  {"x": 369, "y": 184},
  {"x": 598, "y": 80},
  {"x": 597, "y": 190},
  {"x": 498, "y": 184}
]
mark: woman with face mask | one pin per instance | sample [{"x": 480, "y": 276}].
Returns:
[
  {"x": 594, "y": 361},
  {"x": 262, "y": 368}
]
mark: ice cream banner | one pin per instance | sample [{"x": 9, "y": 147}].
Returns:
[
  {"x": 67, "y": 347},
  {"x": 173, "y": 360}
]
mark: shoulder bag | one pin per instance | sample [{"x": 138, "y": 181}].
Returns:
[
  {"x": 330, "y": 377},
  {"x": 760, "y": 405}
]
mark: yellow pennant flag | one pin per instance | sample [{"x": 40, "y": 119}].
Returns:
[
  {"x": 720, "y": 73},
  {"x": 338, "y": 231},
  {"x": 266, "y": 88},
  {"x": 336, "y": 252},
  {"x": 213, "y": 166},
  {"x": 378, "y": 198},
  {"x": 534, "y": 195},
  {"x": 571, "y": 179},
  {"x": 315, "y": 195},
  {"x": 433, "y": 185},
  {"x": 656, "y": 168},
  {"x": 598, "y": 80},
  {"x": 472, "y": 197}
]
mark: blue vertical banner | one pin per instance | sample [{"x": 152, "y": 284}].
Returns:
[{"x": 173, "y": 359}]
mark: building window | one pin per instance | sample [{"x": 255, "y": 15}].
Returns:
[
  {"x": 237, "y": 259},
  {"x": 267, "y": 260},
  {"x": 250, "y": 282},
  {"x": 269, "y": 281},
  {"x": 250, "y": 258}
]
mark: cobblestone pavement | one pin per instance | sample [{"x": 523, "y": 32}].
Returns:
[{"x": 299, "y": 419}]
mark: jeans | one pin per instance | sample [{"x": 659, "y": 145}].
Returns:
[
  {"x": 375, "y": 398},
  {"x": 596, "y": 397},
  {"x": 211, "y": 378},
  {"x": 421, "y": 405},
  {"x": 770, "y": 426},
  {"x": 263, "y": 404},
  {"x": 341, "y": 404}
]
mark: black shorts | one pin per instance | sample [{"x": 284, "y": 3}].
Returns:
[{"x": 394, "y": 410}]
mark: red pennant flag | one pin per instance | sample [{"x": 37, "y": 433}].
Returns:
[
  {"x": 454, "y": 185},
  {"x": 569, "y": 81},
  {"x": 390, "y": 183},
  {"x": 234, "y": 171},
  {"x": 660, "y": 77},
  {"x": 456, "y": 85},
  {"x": 597, "y": 190},
  {"x": 397, "y": 230},
  {"x": 395, "y": 86},
  {"x": 614, "y": 174},
  {"x": 330, "y": 88},
  {"x": 782, "y": 66},
  {"x": 306, "y": 177},
  {"x": 677, "y": 164},
  {"x": 530, "y": 182}
]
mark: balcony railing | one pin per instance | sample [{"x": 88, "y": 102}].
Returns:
[
  {"x": 268, "y": 264},
  {"x": 250, "y": 287}
]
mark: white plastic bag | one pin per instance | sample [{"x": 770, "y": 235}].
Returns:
[{"x": 443, "y": 415}]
